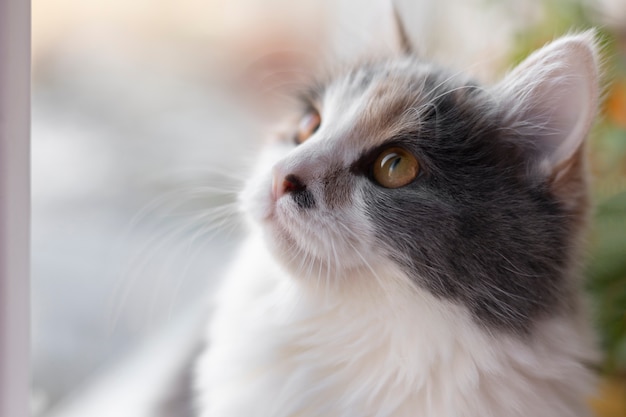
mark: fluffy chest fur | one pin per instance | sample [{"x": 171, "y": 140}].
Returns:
[{"x": 279, "y": 350}]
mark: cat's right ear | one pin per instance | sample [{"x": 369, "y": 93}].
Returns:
[{"x": 550, "y": 101}]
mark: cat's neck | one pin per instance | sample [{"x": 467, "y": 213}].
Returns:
[{"x": 391, "y": 348}]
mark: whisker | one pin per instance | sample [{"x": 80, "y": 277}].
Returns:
[{"x": 211, "y": 219}]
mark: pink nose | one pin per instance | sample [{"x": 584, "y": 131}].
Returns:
[{"x": 285, "y": 185}]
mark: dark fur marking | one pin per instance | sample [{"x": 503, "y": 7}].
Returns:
[
  {"x": 477, "y": 229},
  {"x": 304, "y": 199}
]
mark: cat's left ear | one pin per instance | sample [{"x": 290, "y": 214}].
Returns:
[
  {"x": 403, "y": 38},
  {"x": 551, "y": 100}
]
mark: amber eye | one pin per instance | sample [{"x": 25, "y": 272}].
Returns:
[
  {"x": 395, "y": 167},
  {"x": 308, "y": 125}
]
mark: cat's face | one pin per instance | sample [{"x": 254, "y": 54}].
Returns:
[{"x": 398, "y": 162}]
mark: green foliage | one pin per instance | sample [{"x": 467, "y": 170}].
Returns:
[{"x": 607, "y": 278}]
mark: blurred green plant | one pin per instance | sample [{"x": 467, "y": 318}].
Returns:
[{"x": 606, "y": 269}]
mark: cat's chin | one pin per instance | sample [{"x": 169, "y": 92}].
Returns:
[
  {"x": 302, "y": 258},
  {"x": 282, "y": 245}
]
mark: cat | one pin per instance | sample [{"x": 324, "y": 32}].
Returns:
[{"x": 414, "y": 248}]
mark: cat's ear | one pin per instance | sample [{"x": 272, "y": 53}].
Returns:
[
  {"x": 551, "y": 100},
  {"x": 403, "y": 40}
]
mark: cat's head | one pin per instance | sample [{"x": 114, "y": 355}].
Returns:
[{"x": 476, "y": 193}]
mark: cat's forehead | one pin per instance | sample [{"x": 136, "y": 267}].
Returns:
[{"x": 375, "y": 102}]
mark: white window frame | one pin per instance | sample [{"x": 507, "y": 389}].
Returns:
[{"x": 14, "y": 207}]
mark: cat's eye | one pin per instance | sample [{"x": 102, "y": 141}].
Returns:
[
  {"x": 395, "y": 167},
  {"x": 308, "y": 125}
]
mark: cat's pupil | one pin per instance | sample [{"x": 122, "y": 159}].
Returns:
[{"x": 395, "y": 163}]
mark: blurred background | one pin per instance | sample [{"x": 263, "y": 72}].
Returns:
[{"x": 146, "y": 117}]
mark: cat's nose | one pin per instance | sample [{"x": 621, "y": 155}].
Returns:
[{"x": 286, "y": 184}]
